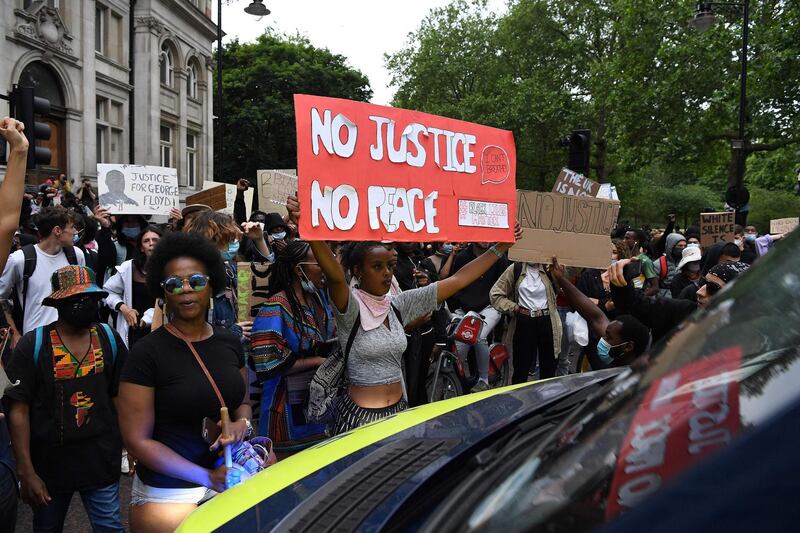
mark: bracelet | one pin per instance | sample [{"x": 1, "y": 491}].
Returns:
[{"x": 495, "y": 251}]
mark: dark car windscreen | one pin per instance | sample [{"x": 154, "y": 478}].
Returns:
[{"x": 723, "y": 372}]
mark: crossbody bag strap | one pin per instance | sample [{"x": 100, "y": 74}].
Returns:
[{"x": 172, "y": 329}]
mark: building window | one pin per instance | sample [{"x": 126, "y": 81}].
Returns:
[
  {"x": 110, "y": 119},
  {"x": 191, "y": 159},
  {"x": 191, "y": 80},
  {"x": 100, "y": 14},
  {"x": 166, "y": 65},
  {"x": 166, "y": 146}
]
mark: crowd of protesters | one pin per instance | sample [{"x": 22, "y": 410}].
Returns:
[{"x": 124, "y": 337}]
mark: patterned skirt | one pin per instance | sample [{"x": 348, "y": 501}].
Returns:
[{"x": 349, "y": 415}]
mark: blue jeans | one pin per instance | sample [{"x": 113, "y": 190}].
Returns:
[{"x": 102, "y": 506}]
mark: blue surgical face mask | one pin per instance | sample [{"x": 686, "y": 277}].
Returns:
[
  {"x": 230, "y": 253},
  {"x": 604, "y": 351},
  {"x": 76, "y": 239},
  {"x": 306, "y": 283},
  {"x": 750, "y": 237},
  {"x": 447, "y": 249},
  {"x": 131, "y": 232},
  {"x": 278, "y": 236}
]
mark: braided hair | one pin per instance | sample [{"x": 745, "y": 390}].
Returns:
[{"x": 282, "y": 278}]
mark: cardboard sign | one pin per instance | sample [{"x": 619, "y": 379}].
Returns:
[
  {"x": 575, "y": 229},
  {"x": 369, "y": 172},
  {"x": 230, "y": 197},
  {"x": 253, "y": 285},
  {"x": 216, "y": 197},
  {"x": 783, "y": 225},
  {"x": 716, "y": 227},
  {"x": 684, "y": 417},
  {"x": 274, "y": 186},
  {"x": 137, "y": 189},
  {"x": 574, "y": 184}
]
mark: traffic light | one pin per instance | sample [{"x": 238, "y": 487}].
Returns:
[
  {"x": 26, "y": 107},
  {"x": 579, "y": 151}
]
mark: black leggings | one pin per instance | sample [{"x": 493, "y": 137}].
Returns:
[{"x": 533, "y": 335}]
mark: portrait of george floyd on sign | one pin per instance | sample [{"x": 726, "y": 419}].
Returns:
[
  {"x": 576, "y": 229},
  {"x": 370, "y": 172},
  {"x": 716, "y": 227},
  {"x": 137, "y": 189}
]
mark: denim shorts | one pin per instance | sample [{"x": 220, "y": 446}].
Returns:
[{"x": 142, "y": 493}]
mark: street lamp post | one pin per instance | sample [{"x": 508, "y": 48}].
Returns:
[
  {"x": 257, "y": 9},
  {"x": 704, "y": 18}
]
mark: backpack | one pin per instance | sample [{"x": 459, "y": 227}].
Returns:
[
  {"x": 663, "y": 269},
  {"x": 330, "y": 380},
  {"x": 109, "y": 334},
  {"x": 29, "y": 253}
]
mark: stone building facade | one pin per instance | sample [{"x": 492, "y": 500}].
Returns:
[{"x": 128, "y": 81}]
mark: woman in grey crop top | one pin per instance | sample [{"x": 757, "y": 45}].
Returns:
[{"x": 374, "y": 365}]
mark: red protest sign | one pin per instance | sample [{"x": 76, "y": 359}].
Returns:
[
  {"x": 369, "y": 172},
  {"x": 685, "y": 416}
]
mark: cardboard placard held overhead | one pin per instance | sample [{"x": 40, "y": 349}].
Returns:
[
  {"x": 274, "y": 186},
  {"x": 574, "y": 184},
  {"x": 137, "y": 189},
  {"x": 716, "y": 227},
  {"x": 230, "y": 197},
  {"x": 783, "y": 225},
  {"x": 216, "y": 197},
  {"x": 253, "y": 288},
  {"x": 575, "y": 229},
  {"x": 369, "y": 173}
]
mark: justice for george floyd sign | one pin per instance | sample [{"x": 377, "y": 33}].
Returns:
[
  {"x": 575, "y": 229},
  {"x": 368, "y": 172},
  {"x": 716, "y": 227},
  {"x": 137, "y": 189}
]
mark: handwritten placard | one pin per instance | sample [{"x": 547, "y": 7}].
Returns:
[
  {"x": 716, "y": 227},
  {"x": 783, "y": 225},
  {"x": 137, "y": 189},
  {"x": 576, "y": 229},
  {"x": 574, "y": 184},
  {"x": 274, "y": 186}
]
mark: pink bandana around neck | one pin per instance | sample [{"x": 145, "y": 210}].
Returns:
[{"x": 373, "y": 309}]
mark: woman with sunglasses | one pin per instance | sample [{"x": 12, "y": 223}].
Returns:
[
  {"x": 293, "y": 332},
  {"x": 127, "y": 291},
  {"x": 166, "y": 394}
]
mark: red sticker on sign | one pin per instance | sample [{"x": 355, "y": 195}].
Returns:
[{"x": 685, "y": 416}]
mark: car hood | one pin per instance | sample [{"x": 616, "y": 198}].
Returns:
[{"x": 423, "y": 440}]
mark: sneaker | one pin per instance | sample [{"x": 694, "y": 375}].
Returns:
[{"x": 480, "y": 386}]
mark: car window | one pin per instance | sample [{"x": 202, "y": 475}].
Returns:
[{"x": 725, "y": 371}]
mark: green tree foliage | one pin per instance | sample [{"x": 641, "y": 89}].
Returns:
[
  {"x": 259, "y": 81},
  {"x": 661, "y": 99}
]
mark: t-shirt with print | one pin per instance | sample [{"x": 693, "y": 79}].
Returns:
[
  {"x": 375, "y": 356},
  {"x": 183, "y": 394},
  {"x": 39, "y": 286},
  {"x": 75, "y": 443},
  {"x": 648, "y": 271}
]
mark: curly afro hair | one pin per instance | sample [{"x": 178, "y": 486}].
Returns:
[{"x": 174, "y": 245}]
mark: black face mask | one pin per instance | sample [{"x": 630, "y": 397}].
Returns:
[
  {"x": 79, "y": 313},
  {"x": 677, "y": 254}
]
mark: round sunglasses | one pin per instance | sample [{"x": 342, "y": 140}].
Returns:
[{"x": 174, "y": 284}]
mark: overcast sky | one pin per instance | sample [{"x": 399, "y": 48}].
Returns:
[{"x": 360, "y": 30}]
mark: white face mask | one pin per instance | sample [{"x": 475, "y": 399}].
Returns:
[{"x": 737, "y": 242}]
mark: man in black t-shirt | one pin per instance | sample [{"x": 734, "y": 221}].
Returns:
[{"x": 63, "y": 419}]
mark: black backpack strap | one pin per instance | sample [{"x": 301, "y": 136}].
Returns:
[
  {"x": 69, "y": 252},
  {"x": 517, "y": 271},
  {"x": 29, "y": 253},
  {"x": 352, "y": 337},
  {"x": 397, "y": 314}
]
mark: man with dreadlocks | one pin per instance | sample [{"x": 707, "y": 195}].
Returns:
[{"x": 291, "y": 335}]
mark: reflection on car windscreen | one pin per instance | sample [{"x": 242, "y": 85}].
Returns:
[{"x": 723, "y": 372}]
